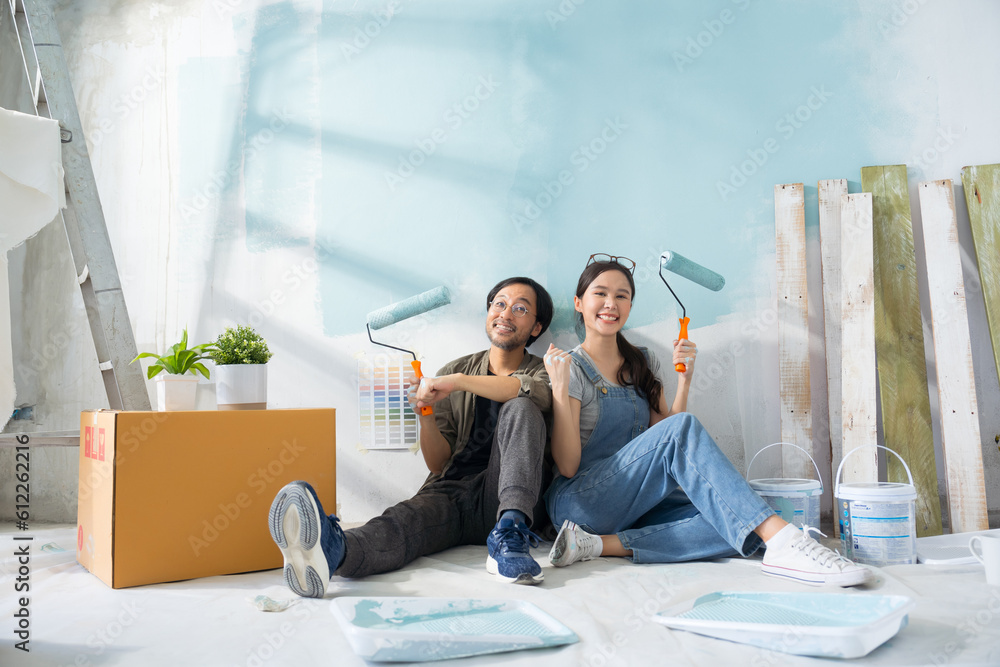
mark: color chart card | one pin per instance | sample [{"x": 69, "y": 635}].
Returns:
[{"x": 387, "y": 420}]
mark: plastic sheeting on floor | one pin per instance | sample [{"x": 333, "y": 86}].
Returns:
[{"x": 75, "y": 619}]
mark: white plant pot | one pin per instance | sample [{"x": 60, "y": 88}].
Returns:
[
  {"x": 175, "y": 392},
  {"x": 241, "y": 386}
]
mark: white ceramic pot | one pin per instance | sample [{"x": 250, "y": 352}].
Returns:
[
  {"x": 241, "y": 386},
  {"x": 175, "y": 392}
]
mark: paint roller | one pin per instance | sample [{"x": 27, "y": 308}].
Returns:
[
  {"x": 682, "y": 266},
  {"x": 405, "y": 309}
]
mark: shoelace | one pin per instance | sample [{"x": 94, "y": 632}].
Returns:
[
  {"x": 586, "y": 550},
  {"x": 583, "y": 543},
  {"x": 516, "y": 538},
  {"x": 819, "y": 553}
]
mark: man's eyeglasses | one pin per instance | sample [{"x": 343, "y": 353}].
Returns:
[
  {"x": 602, "y": 257},
  {"x": 517, "y": 310}
]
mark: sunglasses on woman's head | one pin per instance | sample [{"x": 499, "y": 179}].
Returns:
[{"x": 600, "y": 257}]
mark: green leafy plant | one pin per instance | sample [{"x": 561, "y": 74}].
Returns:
[
  {"x": 180, "y": 360},
  {"x": 240, "y": 345}
]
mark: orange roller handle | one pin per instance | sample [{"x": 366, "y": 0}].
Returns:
[
  {"x": 680, "y": 368},
  {"x": 426, "y": 410}
]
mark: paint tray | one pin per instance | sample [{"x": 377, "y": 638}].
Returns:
[
  {"x": 831, "y": 625},
  {"x": 391, "y": 629},
  {"x": 949, "y": 549}
]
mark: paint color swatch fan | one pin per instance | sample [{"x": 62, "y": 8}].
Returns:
[
  {"x": 682, "y": 266},
  {"x": 385, "y": 419},
  {"x": 416, "y": 305}
]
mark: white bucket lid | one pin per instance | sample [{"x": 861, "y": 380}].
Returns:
[
  {"x": 786, "y": 486},
  {"x": 880, "y": 490}
]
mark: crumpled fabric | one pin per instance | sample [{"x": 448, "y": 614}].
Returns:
[{"x": 32, "y": 192}]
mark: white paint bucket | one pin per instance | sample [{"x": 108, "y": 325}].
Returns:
[
  {"x": 878, "y": 523},
  {"x": 794, "y": 500}
]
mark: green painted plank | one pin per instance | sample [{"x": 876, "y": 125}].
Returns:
[
  {"x": 899, "y": 342},
  {"x": 982, "y": 195}
]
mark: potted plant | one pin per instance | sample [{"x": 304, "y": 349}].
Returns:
[
  {"x": 176, "y": 389},
  {"x": 241, "y": 357}
]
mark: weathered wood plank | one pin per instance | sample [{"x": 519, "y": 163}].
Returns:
[
  {"x": 899, "y": 342},
  {"x": 830, "y": 194},
  {"x": 858, "y": 330},
  {"x": 793, "y": 328},
  {"x": 960, "y": 438},
  {"x": 982, "y": 194}
]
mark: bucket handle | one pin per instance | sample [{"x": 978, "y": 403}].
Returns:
[
  {"x": 818, "y": 476},
  {"x": 840, "y": 468}
]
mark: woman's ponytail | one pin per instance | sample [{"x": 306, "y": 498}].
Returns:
[{"x": 635, "y": 371}]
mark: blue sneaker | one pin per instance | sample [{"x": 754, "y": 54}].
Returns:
[
  {"x": 509, "y": 555},
  {"x": 311, "y": 542}
]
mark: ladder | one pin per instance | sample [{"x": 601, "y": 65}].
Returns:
[{"x": 52, "y": 97}]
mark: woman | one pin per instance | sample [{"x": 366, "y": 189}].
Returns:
[{"x": 624, "y": 456}]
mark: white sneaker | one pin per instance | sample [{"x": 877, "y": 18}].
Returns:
[
  {"x": 805, "y": 560},
  {"x": 573, "y": 544}
]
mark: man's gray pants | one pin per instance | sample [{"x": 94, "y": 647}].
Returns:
[{"x": 448, "y": 513}]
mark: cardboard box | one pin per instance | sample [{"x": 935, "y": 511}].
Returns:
[{"x": 166, "y": 496}]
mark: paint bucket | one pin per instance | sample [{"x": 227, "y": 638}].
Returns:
[
  {"x": 878, "y": 522},
  {"x": 794, "y": 500}
]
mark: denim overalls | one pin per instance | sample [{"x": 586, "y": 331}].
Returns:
[{"x": 631, "y": 477}]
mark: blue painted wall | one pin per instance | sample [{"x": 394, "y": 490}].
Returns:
[{"x": 410, "y": 144}]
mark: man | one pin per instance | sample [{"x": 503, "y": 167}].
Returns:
[{"x": 484, "y": 446}]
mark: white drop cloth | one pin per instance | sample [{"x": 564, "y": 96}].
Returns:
[
  {"x": 31, "y": 194},
  {"x": 77, "y": 620}
]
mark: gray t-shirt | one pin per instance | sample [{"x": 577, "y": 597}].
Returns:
[{"x": 582, "y": 389}]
